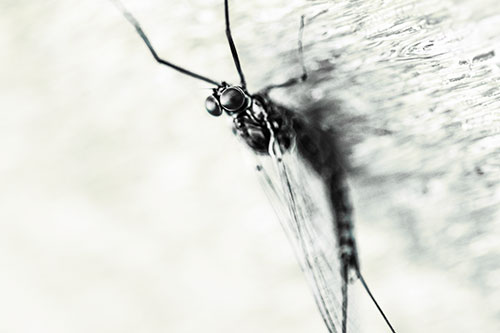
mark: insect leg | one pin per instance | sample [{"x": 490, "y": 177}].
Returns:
[
  {"x": 141, "y": 33},
  {"x": 303, "y": 77},
  {"x": 348, "y": 251},
  {"x": 301, "y": 49},
  {"x": 374, "y": 301}
]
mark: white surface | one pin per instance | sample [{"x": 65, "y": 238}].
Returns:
[{"x": 124, "y": 206}]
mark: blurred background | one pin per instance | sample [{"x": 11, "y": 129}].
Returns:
[{"x": 125, "y": 207}]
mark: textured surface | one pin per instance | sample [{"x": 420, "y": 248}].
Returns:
[
  {"x": 125, "y": 207},
  {"x": 417, "y": 86}
]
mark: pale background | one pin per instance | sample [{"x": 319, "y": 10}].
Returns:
[{"x": 124, "y": 207}]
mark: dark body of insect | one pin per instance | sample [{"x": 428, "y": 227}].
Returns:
[{"x": 258, "y": 121}]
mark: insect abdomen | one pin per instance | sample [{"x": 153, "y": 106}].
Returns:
[{"x": 318, "y": 148}]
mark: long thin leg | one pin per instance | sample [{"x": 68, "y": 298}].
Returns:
[
  {"x": 303, "y": 77},
  {"x": 301, "y": 49},
  {"x": 232, "y": 46},
  {"x": 374, "y": 301},
  {"x": 141, "y": 33}
]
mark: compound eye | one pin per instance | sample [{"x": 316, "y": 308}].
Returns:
[
  {"x": 212, "y": 106},
  {"x": 232, "y": 99}
]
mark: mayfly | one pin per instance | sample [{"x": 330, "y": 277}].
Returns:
[{"x": 324, "y": 245}]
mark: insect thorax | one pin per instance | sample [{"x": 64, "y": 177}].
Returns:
[{"x": 262, "y": 122}]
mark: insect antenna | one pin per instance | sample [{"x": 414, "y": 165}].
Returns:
[
  {"x": 234, "y": 52},
  {"x": 141, "y": 33},
  {"x": 374, "y": 301}
]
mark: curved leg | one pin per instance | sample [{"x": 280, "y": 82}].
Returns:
[{"x": 303, "y": 77}]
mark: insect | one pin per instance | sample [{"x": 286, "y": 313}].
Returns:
[{"x": 285, "y": 144}]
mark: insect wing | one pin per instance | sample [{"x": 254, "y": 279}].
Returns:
[{"x": 298, "y": 198}]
